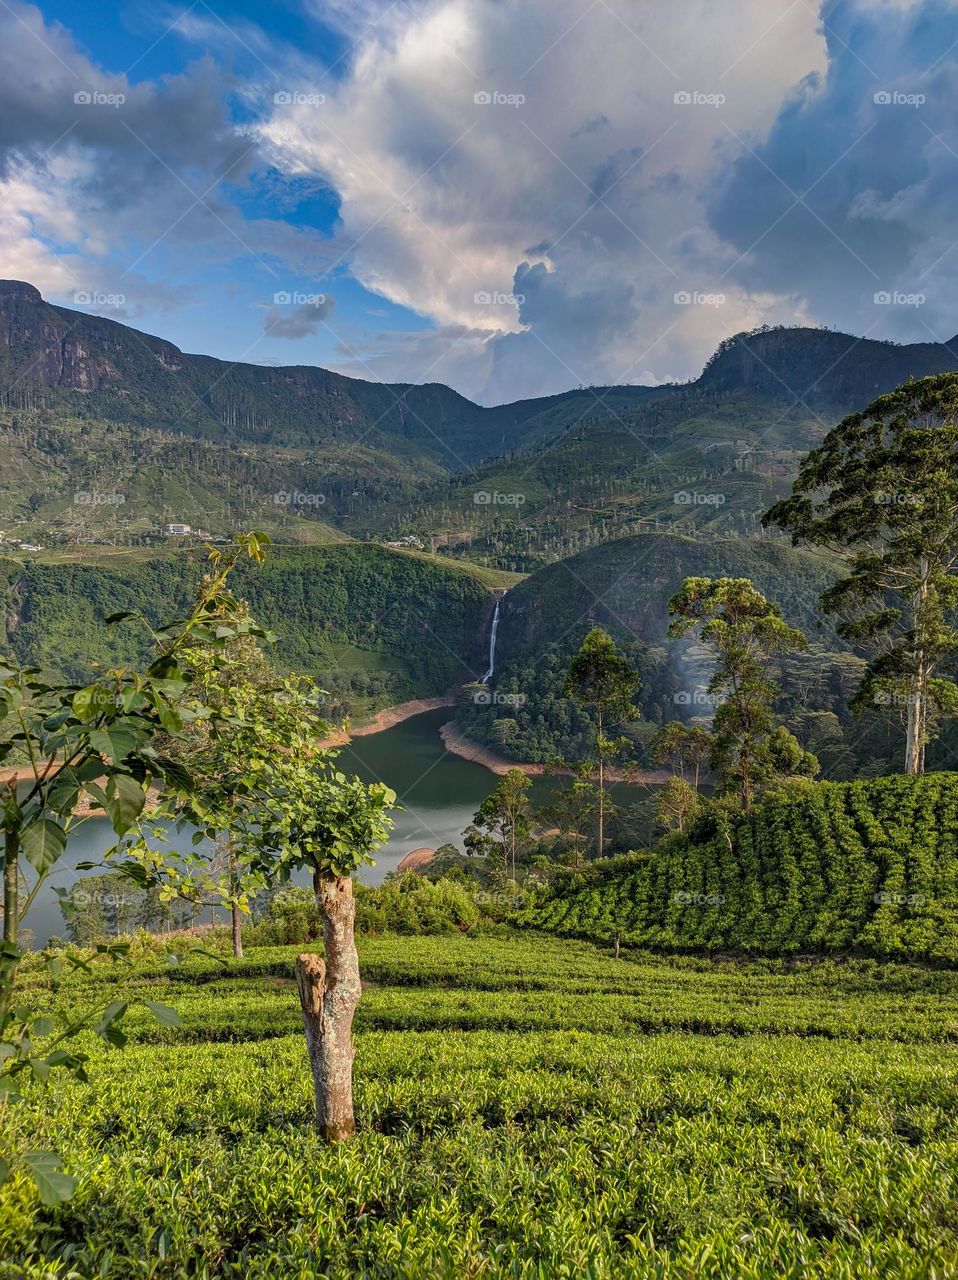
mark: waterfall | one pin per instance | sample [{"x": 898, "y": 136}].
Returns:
[{"x": 492, "y": 645}]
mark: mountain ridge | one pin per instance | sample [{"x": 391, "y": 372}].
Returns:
[{"x": 55, "y": 349}]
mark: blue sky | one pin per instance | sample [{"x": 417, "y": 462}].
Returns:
[{"x": 511, "y": 196}]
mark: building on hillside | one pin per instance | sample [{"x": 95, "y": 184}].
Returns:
[
  {"x": 176, "y": 530},
  {"x": 410, "y": 540}
]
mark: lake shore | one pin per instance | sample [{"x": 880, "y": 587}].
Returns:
[
  {"x": 388, "y": 718},
  {"x": 456, "y": 742}
]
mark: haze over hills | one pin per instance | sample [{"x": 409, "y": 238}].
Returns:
[{"x": 89, "y": 406}]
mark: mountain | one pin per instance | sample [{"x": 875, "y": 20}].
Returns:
[
  {"x": 124, "y": 375},
  {"x": 101, "y": 368},
  {"x": 823, "y": 369},
  {"x": 89, "y": 406}
]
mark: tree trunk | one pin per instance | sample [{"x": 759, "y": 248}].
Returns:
[
  {"x": 746, "y": 767},
  {"x": 916, "y": 733},
  {"x": 235, "y": 914},
  {"x": 329, "y": 992},
  {"x": 601, "y": 789},
  {"x": 237, "y": 930},
  {"x": 11, "y": 920},
  {"x": 913, "y": 734}
]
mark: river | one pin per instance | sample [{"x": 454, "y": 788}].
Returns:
[{"x": 439, "y": 793}]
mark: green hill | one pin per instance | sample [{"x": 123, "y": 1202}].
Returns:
[
  {"x": 864, "y": 867},
  {"x": 624, "y": 586},
  {"x": 373, "y": 626}
]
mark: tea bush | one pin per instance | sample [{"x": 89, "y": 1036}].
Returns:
[
  {"x": 865, "y": 867},
  {"x": 528, "y": 1107}
]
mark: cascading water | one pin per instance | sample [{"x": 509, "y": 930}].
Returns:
[{"x": 492, "y": 645}]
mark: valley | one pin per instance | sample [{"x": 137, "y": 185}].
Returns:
[{"x": 574, "y": 704}]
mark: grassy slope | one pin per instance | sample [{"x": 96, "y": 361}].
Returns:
[
  {"x": 866, "y": 867},
  {"x": 528, "y": 1108}
]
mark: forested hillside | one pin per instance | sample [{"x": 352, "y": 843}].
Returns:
[
  {"x": 373, "y": 626},
  {"x": 107, "y": 433},
  {"x": 624, "y": 587}
]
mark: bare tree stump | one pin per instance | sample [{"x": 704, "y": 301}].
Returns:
[{"x": 329, "y": 992}]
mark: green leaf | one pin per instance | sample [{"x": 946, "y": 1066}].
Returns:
[
  {"x": 113, "y": 741},
  {"x": 169, "y": 718},
  {"x": 4, "y": 1171},
  {"x": 174, "y": 773},
  {"x": 93, "y": 701},
  {"x": 164, "y": 1014},
  {"x": 108, "y": 1028},
  {"x": 124, "y": 803},
  {"x": 53, "y": 1185},
  {"x": 43, "y": 841}
]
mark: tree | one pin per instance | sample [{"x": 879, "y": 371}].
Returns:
[
  {"x": 601, "y": 679},
  {"x": 882, "y": 489},
  {"x": 745, "y": 631},
  {"x": 88, "y": 751},
  {"x": 257, "y": 719},
  {"x": 502, "y": 823},
  {"x": 683, "y": 747},
  {"x": 331, "y": 824},
  {"x": 572, "y": 807},
  {"x": 677, "y": 802}
]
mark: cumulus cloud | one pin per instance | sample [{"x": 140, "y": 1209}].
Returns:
[
  {"x": 851, "y": 194},
  {"x": 535, "y": 171},
  {"x": 565, "y": 191},
  {"x": 103, "y": 180}
]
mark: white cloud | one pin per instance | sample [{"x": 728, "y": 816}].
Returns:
[{"x": 588, "y": 190}]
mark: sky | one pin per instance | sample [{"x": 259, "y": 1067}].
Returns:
[{"x": 513, "y": 197}]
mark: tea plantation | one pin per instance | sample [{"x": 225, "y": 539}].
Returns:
[
  {"x": 867, "y": 867},
  {"x": 528, "y": 1107}
]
